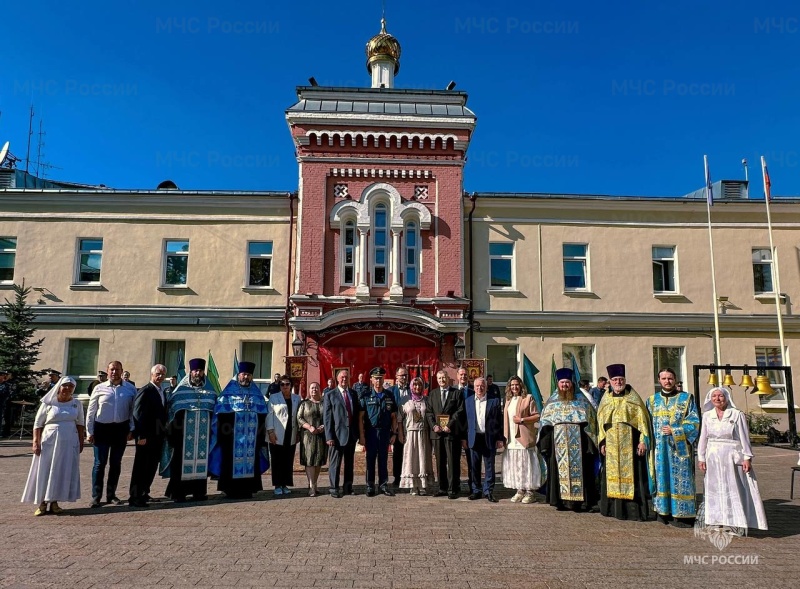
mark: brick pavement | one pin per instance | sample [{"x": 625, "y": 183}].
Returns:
[{"x": 400, "y": 542}]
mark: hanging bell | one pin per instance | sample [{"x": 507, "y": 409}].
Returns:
[
  {"x": 727, "y": 380},
  {"x": 747, "y": 381},
  {"x": 712, "y": 379},
  {"x": 763, "y": 386}
]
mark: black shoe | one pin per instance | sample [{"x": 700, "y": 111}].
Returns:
[
  {"x": 452, "y": 495},
  {"x": 137, "y": 503},
  {"x": 200, "y": 497},
  {"x": 95, "y": 504},
  {"x": 440, "y": 493},
  {"x": 114, "y": 500},
  {"x": 349, "y": 491},
  {"x": 370, "y": 491},
  {"x": 681, "y": 523},
  {"x": 396, "y": 483},
  {"x": 147, "y": 497},
  {"x": 474, "y": 496},
  {"x": 491, "y": 498},
  {"x": 387, "y": 491},
  {"x": 662, "y": 519}
]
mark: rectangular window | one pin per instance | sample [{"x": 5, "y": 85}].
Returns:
[
  {"x": 349, "y": 255},
  {"x": 259, "y": 263},
  {"x": 664, "y": 269},
  {"x": 771, "y": 356},
  {"x": 168, "y": 352},
  {"x": 762, "y": 270},
  {"x": 176, "y": 262},
  {"x": 381, "y": 247},
  {"x": 666, "y": 357},
  {"x": 501, "y": 363},
  {"x": 90, "y": 257},
  {"x": 501, "y": 264},
  {"x": 575, "y": 264},
  {"x": 260, "y": 354},
  {"x": 412, "y": 255},
  {"x": 584, "y": 356},
  {"x": 82, "y": 362},
  {"x": 8, "y": 255}
]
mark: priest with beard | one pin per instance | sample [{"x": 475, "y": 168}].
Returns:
[
  {"x": 626, "y": 445},
  {"x": 239, "y": 436},
  {"x": 190, "y": 407},
  {"x": 568, "y": 441}
]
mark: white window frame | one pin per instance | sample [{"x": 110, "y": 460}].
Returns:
[
  {"x": 263, "y": 383},
  {"x": 251, "y": 257},
  {"x": 769, "y": 264},
  {"x": 387, "y": 248},
  {"x": 412, "y": 227},
  {"x": 592, "y": 355},
  {"x": 81, "y": 252},
  {"x": 584, "y": 259},
  {"x": 80, "y": 378},
  {"x": 680, "y": 368},
  {"x": 13, "y": 251},
  {"x": 166, "y": 254},
  {"x": 777, "y": 401},
  {"x": 348, "y": 225},
  {"x": 674, "y": 266},
  {"x": 499, "y": 257},
  {"x": 491, "y": 370}
]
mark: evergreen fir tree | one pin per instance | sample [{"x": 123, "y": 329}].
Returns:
[{"x": 19, "y": 351}]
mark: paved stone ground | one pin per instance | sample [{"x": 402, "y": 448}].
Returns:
[{"x": 400, "y": 542}]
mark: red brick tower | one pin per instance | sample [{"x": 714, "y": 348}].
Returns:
[{"x": 380, "y": 257}]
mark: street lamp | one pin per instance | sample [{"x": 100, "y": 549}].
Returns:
[
  {"x": 459, "y": 348},
  {"x": 297, "y": 345}
]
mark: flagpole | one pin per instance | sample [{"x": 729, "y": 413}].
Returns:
[
  {"x": 777, "y": 285},
  {"x": 709, "y": 197}
]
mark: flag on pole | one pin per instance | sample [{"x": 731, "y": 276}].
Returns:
[
  {"x": 181, "y": 372},
  {"x": 553, "y": 379},
  {"x": 767, "y": 183},
  {"x": 213, "y": 373},
  {"x": 709, "y": 189},
  {"x": 235, "y": 365},
  {"x": 529, "y": 372},
  {"x": 576, "y": 371}
]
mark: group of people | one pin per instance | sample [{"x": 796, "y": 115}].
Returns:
[{"x": 613, "y": 453}]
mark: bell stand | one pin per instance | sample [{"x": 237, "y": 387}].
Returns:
[{"x": 787, "y": 377}]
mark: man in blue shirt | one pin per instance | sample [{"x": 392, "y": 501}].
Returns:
[{"x": 378, "y": 429}]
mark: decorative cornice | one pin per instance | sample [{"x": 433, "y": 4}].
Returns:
[
  {"x": 123, "y": 315},
  {"x": 381, "y": 173},
  {"x": 399, "y": 211},
  {"x": 380, "y": 120},
  {"x": 362, "y": 313}
]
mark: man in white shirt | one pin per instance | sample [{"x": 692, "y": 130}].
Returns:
[
  {"x": 484, "y": 438},
  {"x": 109, "y": 426}
]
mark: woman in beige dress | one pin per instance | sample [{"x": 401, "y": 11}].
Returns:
[{"x": 417, "y": 471}]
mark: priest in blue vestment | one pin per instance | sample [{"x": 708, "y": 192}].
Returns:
[
  {"x": 676, "y": 427},
  {"x": 239, "y": 436},
  {"x": 190, "y": 408}
]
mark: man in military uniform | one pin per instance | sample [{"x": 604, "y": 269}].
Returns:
[
  {"x": 378, "y": 428},
  {"x": 361, "y": 387}
]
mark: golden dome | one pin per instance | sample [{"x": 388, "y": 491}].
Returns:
[{"x": 383, "y": 46}]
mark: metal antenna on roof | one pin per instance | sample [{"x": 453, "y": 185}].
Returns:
[{"x": 30, "y": 133}]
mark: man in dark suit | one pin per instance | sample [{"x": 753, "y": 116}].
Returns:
[
  {"x": 484, "y": 438},
  {"x": 401, "y": 394},
  {"x": 149, "y": 422},
  {"x": 340, "y": 416},
  {"x": 447, "y": 400}
]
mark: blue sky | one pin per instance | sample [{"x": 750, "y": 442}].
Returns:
[{"x": 572, "y": 96}]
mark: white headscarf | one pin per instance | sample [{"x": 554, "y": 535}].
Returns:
[
  {"x": 52, "y": 395},
  {"x": 708, "y": 405}
]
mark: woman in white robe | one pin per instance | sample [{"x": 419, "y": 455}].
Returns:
[
  {"x": 58, "y": 432},
  {"x": 724, "y": 454}
]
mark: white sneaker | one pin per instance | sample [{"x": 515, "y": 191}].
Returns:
[
  {"x": 517, "y": 498},
  {"x": 278, "y": 491},
  {"x": 529, "y": 498},
  {"x": 286, "y": 491}
]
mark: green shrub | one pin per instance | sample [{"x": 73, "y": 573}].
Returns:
[{"x": 759, "y": 423}]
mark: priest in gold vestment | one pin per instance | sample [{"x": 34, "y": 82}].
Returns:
[{"x": 626, "y": 446}]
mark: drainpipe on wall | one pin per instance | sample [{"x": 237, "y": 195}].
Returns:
[
  {"x": 290, "y": 267},
  {"x": 471, "y": 314}
]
